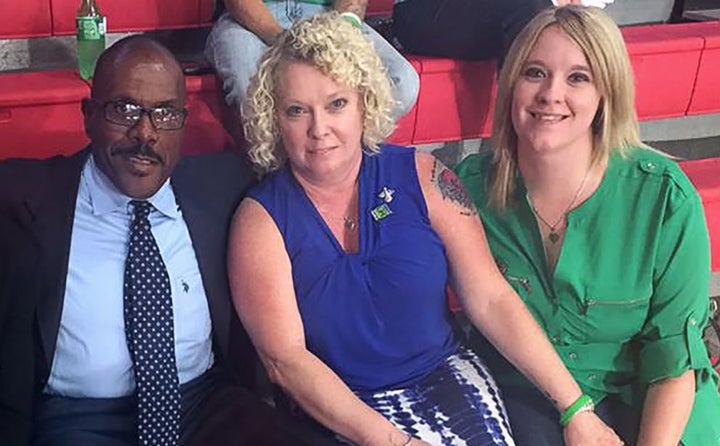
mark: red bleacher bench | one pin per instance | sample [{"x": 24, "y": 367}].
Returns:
[
  {"x": 40, "y": 113},
  {"x": 380, "y": 8},
  {"x": 25, "y": 18},
  {"x": 706, "y": 96},
  {"x": 456, "y": 99},
  {"x": 665, "y": 61},
  {"x": 682, "y": 61},
  {"x": 203, "y": 129},
  {"x": 207, "y": 11},
  {"x": 705, "y": 175},
  {"x": 675, "y": 66},
  {"x": 136, "y": 15},
  {"x": 405, "y": 129}
]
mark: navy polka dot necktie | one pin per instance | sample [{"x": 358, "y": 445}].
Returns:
[{"x": 149, "y": 332}]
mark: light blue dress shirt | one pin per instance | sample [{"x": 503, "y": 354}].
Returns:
[{"x": 91, "y": 357}]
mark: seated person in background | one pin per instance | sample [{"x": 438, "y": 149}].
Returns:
[
  {"x": 339, "y": 261},
  {"x": 466, "y": 29},
  {"x": 462, "y": 29},
  {"x": 134, "y": 336},
  {"x": 246, "y": 27},
  {"x": 602, "y": 237}
]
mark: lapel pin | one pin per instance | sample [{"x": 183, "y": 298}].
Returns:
[
  {"x": 386, "y": 194},
  {"x": 380, "y": 212}
]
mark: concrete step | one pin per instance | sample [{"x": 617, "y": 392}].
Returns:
[{"x": 51, "y": 53}]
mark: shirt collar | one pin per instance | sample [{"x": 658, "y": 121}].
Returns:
[{"x": 105, "y": 198}]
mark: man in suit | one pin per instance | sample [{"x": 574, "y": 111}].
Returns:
[{"x": 116, "y": 325}]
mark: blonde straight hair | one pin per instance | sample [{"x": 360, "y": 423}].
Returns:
[{"x": 615, "y": 126}]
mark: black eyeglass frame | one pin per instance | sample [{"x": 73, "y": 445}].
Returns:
[{"x": 150, "y": 111}]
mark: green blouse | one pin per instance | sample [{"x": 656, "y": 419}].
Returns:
[{"x": 628, "y": 300}]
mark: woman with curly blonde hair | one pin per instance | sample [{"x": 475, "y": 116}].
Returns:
[
  {"x": 339, "y": 261},
  {"x": 345, "y": 58}
]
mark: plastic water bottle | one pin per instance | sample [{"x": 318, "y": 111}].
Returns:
[{"x": 90, "y": 26}]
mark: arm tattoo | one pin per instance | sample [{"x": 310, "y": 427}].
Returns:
[
  {"x": 356, "y": 6},
  {"x": 451, "y": 188}
]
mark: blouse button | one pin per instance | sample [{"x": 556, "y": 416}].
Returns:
[
  {"x": 573, "y": 356},
  {"x": 648, "y": 166}
]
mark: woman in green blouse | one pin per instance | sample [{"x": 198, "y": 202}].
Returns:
[{"x": 603, "y": 238}]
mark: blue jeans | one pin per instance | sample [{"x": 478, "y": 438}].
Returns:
[{"x": 235, "y": 51}]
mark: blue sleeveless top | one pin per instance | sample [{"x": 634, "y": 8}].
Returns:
[{"x": 379, "y": 317}]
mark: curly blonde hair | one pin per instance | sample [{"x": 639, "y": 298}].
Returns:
[
  {"x": 615, "y": 127},
  {"x": 339, "y": 50}
]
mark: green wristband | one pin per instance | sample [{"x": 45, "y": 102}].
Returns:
[{"x": 582, "y": 404}]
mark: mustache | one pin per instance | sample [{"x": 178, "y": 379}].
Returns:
[{"x": 144, "y": 150}]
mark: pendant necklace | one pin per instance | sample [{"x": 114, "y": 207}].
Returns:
[
  {"x": 349, "y": 223},
  {"x": 554, "y": 235}
]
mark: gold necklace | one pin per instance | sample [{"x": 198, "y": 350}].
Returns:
[
  {"x": 349, "y": 223},
  {"x": 554, "y": 236}
]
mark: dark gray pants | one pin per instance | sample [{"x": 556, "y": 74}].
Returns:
[
  {"x": 215, "y": 412},
  {"x": 534, "y": 420},
  {"x": 462, "y": 29}
]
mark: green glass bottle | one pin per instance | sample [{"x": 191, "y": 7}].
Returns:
[{"x": 90, "y": 36}]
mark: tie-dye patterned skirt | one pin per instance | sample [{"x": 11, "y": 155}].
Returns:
[{"x": 456, "y": 404}]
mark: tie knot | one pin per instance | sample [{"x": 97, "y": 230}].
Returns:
[{"x": 141, "y": 209}]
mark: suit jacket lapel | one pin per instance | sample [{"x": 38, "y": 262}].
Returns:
[
  {"x": 52, "y": 209},
  {"x": 208, "y": 241}
]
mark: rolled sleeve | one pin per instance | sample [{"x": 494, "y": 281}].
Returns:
[
  {"x": 671, "y": 338},
  {"x": 672, "y": 355}
]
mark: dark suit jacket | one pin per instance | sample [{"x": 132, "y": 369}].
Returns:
[{"x": 37, "y": 205}]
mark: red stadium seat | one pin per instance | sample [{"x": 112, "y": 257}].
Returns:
[
  {"x": 205, "y": 133},
  {"x": 203, "y": 129},
  {"x": 665, "y": 62},
  {"x": 25, "y": 18},
  {"x": 207, "y": 10},
  {"x": 405, "y": 129},
  {"x": 706, "y": 97},
  {"x": 705, "y": 175},
  {"x": 40, "y": 114},
  {"x": 131, "y": 15},
  {"x": 380, "y": 8},
  {"x": 456, "y": 100}
]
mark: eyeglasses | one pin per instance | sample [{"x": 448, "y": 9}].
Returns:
[{"x": 129, "y": 114}]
